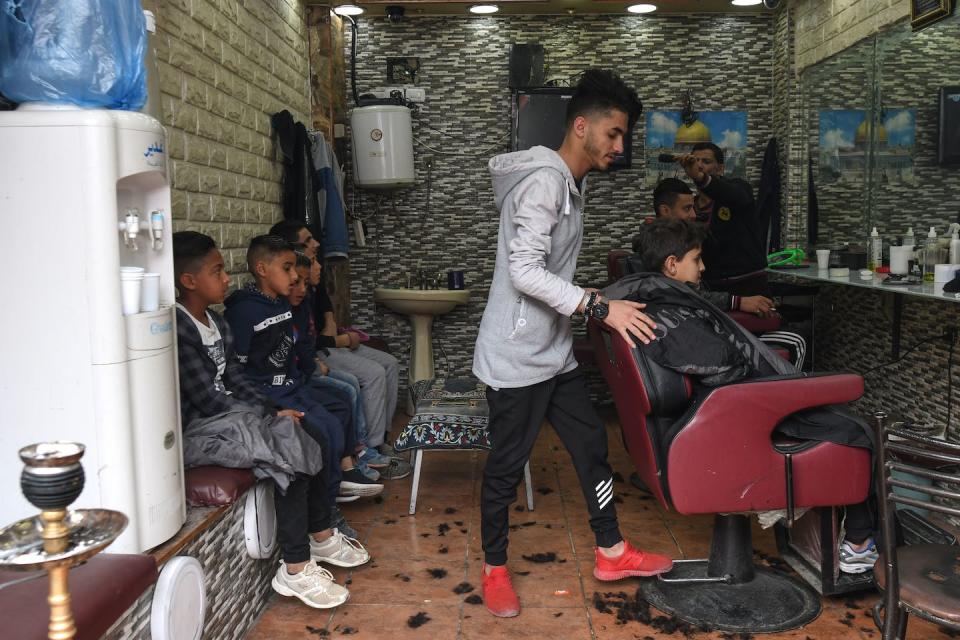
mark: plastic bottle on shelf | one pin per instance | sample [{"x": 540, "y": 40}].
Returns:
[
  {"x": 930, "y": 250},
  {"x": 874, "y": 251},
  {"x": 909, "y": 239},
  {"x": 955, "y": 243}
]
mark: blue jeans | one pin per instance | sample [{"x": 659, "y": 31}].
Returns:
[
  {"x": 349, "y": 386},
  {"x": 327, "y": 419}
]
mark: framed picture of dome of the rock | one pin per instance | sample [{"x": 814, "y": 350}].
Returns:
[
  {"x": 845, "y": 140},
  {"x": 675, "y": 133}
]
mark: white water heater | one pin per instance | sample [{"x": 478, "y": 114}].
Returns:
[
  {"x": 382, "y": 145},
  {"x": 74, "y": 367}
]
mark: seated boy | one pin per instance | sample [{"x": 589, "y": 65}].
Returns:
[
  {"x": 378, "y": 372},
  {"x": 228, "y": 422},
  {"x": 672, "y": 198},
  {"x": 309, "y": 271},
  {"x": 261, "y": 320},
  {"x": 696, "y": 338}
]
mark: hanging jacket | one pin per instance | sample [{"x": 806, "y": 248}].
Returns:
[
  {"x": 525, "y": 334},
  {"x": 263, "y": 331},
  {"x": 769, "y": 196},
  {"x": 331, "y": 208},
  {"x": 696, "y": 338},
  {"x": 299, "y": 192}
]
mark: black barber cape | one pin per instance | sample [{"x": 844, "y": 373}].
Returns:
[{"x": 696, "y": 338}]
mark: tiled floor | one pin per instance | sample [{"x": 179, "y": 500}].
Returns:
[{"x": 416, "y": 567}]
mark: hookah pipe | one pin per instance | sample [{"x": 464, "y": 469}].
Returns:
[{"x": 57, "y": 539}]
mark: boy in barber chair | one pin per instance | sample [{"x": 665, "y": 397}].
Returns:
[{"x": 695, "y": 337}]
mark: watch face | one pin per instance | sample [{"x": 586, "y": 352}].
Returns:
[{"x": 601, "y": 310}]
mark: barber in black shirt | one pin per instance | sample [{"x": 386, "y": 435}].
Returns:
[{"x": 734, "y": 255}]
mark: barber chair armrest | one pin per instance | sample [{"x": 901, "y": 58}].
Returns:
[
  {"x": 753, "y": 408},
  {"x": 777, "y": 397}
]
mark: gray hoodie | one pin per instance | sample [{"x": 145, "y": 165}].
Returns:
[{"x": 525, "y": 335}]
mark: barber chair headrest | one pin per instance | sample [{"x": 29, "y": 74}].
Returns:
[{"x": 668, "y": 391}]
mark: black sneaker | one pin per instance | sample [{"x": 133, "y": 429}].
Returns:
[{"x": 354, "y": 483}]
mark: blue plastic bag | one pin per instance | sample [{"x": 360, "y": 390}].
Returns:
[{"x": 84, "y": 52}]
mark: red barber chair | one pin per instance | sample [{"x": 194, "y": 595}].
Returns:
[
  {"x": 714, "y": 451},
  {"x": 616, "y": 268}
]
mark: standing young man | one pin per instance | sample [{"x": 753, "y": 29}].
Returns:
[
  {"x": 524, "y": 350},
  {"x": 734, "y": 254}
]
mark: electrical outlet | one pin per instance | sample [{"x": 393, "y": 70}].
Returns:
[{"x": 415, "y": 94}]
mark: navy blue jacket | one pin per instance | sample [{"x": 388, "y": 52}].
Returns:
[{"x": 263, "y": 336}]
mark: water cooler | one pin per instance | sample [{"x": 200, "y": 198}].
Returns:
[{"x": 84, "y": 192}]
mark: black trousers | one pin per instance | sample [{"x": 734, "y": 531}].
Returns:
[
  {"x": 303, "y": 510},
  {"x": 515, "y": 418}
]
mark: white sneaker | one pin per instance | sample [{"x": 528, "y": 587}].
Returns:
[
  {"x": 339, "y": 550},
  {"x": 314, "y": 586}
]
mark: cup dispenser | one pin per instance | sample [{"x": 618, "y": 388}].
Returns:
[{"x": 86, "y": 192}]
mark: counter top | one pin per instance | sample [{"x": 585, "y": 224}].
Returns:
[{"x": 925, "y": 290}]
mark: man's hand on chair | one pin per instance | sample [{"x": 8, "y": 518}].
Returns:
[
  {"x": 627, "y": 319},
  {"x": 757, "y": 304}
]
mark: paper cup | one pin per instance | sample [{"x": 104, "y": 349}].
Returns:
[
  {"x": 150, "y": 292},
  {"x": 900, "y": 259},
  {"x": 131, "y": 284},
  {"x": 944, "y": 272},
  {"x": 823, "y": 258}
]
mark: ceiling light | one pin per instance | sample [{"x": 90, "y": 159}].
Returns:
[
  {"x": 348, "y": 10},
  {"x": 745, "y": 3},
  {"x": 484, "y": 8},
  {"x": 642, "y": 8}
]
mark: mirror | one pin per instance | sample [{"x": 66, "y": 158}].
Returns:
[{"x": 871, "y": 119}]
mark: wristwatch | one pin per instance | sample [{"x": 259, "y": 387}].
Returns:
[{"x": 600, "y": 309}]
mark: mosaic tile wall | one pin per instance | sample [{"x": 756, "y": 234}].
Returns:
[
  {"x": 467, "y": 119},
  {"x": 237, "y": 586}
]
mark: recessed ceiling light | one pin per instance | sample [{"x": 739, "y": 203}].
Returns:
[
  {"x": 484, "y": 8},
  {"x": 745, "y": 3},
  {"x": 348, "y": 10},
  {"x": 642, "y": 8}
]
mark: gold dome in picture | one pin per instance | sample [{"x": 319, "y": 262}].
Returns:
[
  {"x": 863, "y": 133},
  {"x": 696, "y": 132}
]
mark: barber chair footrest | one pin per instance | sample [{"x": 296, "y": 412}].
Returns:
[{"x": 770, "y": 603}]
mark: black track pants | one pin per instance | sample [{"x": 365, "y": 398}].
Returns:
[{"x": 515, "y": 418}]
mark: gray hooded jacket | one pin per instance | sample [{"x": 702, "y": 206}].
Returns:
[{"x": 525, "y": 335}]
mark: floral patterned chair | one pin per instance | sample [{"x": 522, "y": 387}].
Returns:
[{"x": 451, "y": 414}]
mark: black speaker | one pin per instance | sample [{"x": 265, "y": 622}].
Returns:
[
  {"x": 526, "y": 65},
  {"x": 949, "y": 147}
]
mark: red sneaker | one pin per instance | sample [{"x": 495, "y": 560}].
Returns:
[
  {"x": 631, "y": 563},
  {"x": 498, "y": 593}
]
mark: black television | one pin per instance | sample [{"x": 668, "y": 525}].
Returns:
[
  {"x": 539, "y": 118},
  {"x": 949, "y": 143}
]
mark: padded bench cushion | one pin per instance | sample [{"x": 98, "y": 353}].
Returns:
[
  {"x": 101, "y": 591},
  {"x": 216, "y": 486},
  {"x": 452, "y": 413}
]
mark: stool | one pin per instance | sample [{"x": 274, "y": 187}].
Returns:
[{"x": 451, "y": 414}]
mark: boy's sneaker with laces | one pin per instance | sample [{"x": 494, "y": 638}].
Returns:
[
  {"x": 370, "y": 473},
  {"x": 374, "y": 458},
  {"x": 339, "y": 550},
  {"x": 398, "y": 469},
  {"x": 387, "y": 449},
  {"x": 498, "y": 594},
  {"x": 853, "y": 561},
  {"x": 631, "y": 563},
  {"x": 354, "y": 483},
  {"x": 314, "y": 586},
  {"x": 338, "y": 522}
]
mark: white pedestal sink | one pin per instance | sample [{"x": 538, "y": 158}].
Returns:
[{"x": 421, "y": 305}]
